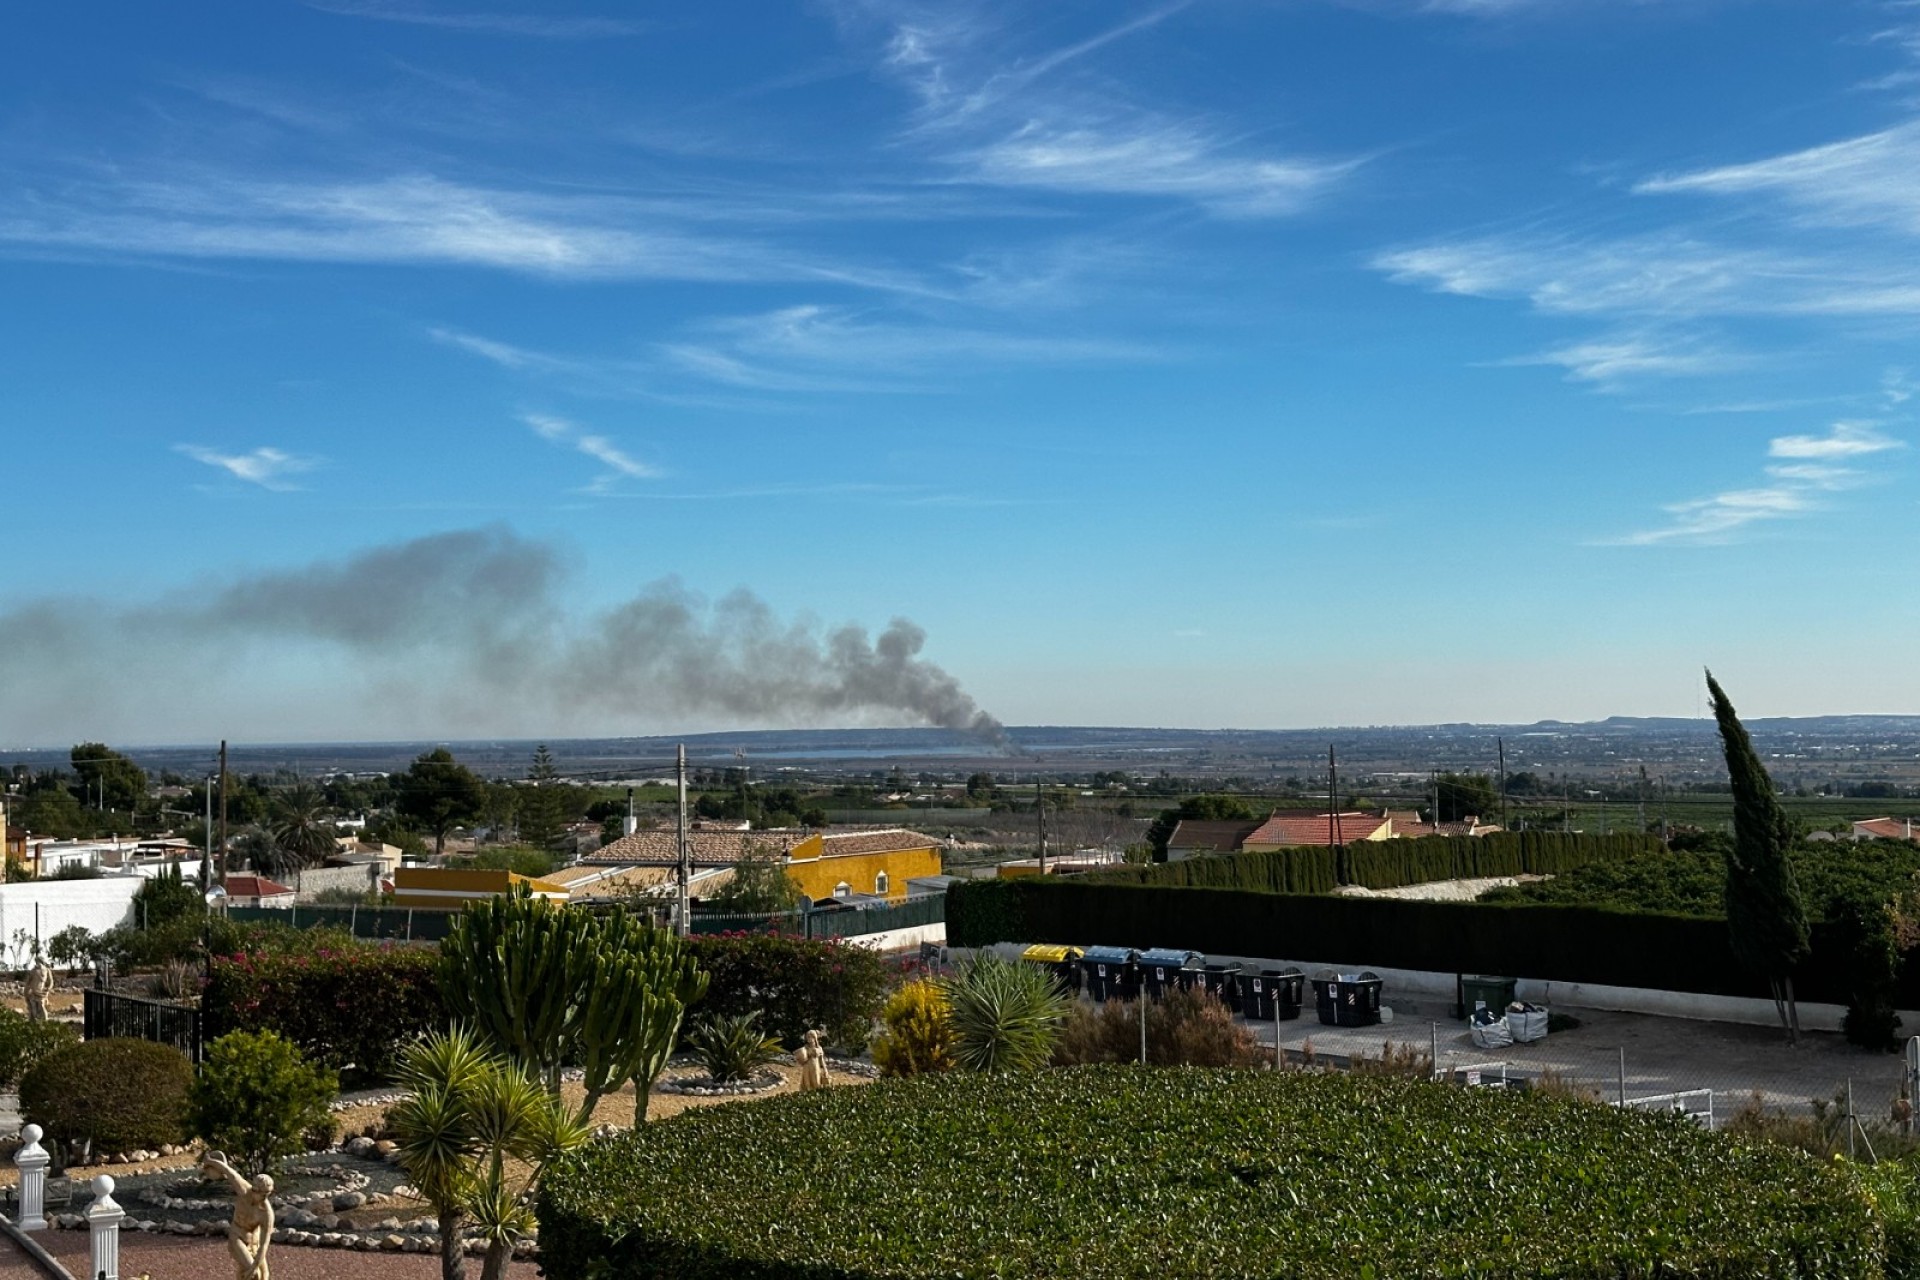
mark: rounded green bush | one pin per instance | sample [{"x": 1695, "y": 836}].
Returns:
[
  {"x": 116, "y": 1094},
  {"x": 24, "y": 1043},
  {"x": 1118, "y": 1173},
  {"x": 256, "y": 1097}
]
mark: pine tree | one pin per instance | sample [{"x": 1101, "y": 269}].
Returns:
[{"x": 1766, "y": 920}]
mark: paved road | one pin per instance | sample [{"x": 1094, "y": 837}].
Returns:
[{"x": 1662, "y": 1055}]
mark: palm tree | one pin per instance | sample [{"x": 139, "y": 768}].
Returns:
[
  {"x": 468, "y": 1115},
  {"x": 302, "y": 827}
]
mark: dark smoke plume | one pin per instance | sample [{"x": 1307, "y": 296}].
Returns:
[{"x": 457, "y": 633}]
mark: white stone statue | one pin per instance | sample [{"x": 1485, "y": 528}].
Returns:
[
  {"x": 813, "y": 1063},
  {"x": 38, "y": 984},
  {"x": 251, "y": 1230}
]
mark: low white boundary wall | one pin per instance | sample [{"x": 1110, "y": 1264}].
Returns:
[
  {"x": 896, "y": 939},
  {"x": 98, "y": 904}
]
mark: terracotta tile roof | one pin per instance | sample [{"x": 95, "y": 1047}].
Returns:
[
  {"x": 850, "y": 842},
  {"x": 1885, "y": 828},
  {"x": 1284, "y": 829},
  {"x": 254, "y": 887},
  {"x": 1219, "y": 835},
  {"x": 724, "y": 848},
  {"x": 708, "y": 848}
]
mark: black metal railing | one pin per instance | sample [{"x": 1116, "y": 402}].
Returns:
[{"x": 107, "y": 1014}]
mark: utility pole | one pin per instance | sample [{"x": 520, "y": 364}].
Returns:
[
  {"x": 223, "y": 812},
  {"x": 206, "y": 862},
  {"x": 683, "y": 909},
  {"x": 1501, "y": 743},
  {"x": 1333, "y": 800},
  {"x": 1040, "y": 814}
]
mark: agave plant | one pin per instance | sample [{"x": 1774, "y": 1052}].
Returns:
[
  {"x": 1003, "y": 1016},
  {"x": 733, "y": 1048}
]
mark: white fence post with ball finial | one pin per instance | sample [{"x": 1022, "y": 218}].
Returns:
[
  {"x": 103, "y": 1219},
  {"x": 32, "y": 1160}
]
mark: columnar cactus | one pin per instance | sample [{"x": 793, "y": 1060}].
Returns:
[{"x": 550, "y": 985}]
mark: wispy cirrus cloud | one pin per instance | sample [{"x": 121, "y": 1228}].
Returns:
[
  {"x": 418, "y": 220},
  {"x": 619, "y": 464},
  {"x": 811, "y": 348},
  {"x": 266, "y": 466},
  {"x": 1675, "y": 274},
  {"x": 1871, "y": 180},
  {"x": 545, "y": 26},
  {"x": 998, "y": 112},
  {"x": 1614, "y": 360},
  {"x": 778, "y": 347},
  {"x": 1842, "y": 440},
  {"x": 1811, "y": 467},
  {"x": 1152, "y": 157}
]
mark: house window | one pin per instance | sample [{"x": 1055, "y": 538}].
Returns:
[
  {"x": 843, "y": 890},
  {"x": 880, "y": 883}
]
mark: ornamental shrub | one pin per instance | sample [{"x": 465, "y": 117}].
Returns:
[
  {"x": 255, "y": 1097},
  {"x": 916, "y": 1036},
  {"x": 1004, "y": 1015},
  {"x": 23, "y": 1044},
  {"x": 351, "y": 1010},
  {"x": 110, "y": 1095},
  {"x": 796, "y": 985},
  {"x": 732, "y": 1048},
  {"x": 1185, "y": 1028},
  {"x": 1113, "y": 1173}
]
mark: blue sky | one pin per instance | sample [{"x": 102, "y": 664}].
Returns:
[{"x": 1220, "y": 363}]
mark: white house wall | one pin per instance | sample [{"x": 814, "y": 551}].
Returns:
[{"x": 98, "y": 904}]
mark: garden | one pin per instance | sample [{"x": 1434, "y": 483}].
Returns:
[
  {"x": 1118, "y": 1172},
  {"x": 497, "y": 1085}
]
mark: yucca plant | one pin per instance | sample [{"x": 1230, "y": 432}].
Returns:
[
  {"x": 733, "y": 1048},
  {"x": 475, "y": 1134},
  {"x": 1004, "y": 1016}
]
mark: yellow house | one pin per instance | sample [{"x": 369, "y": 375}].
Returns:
[
  {"x": 866, "y": 863},
  {"x": 453, "y": 888},
  {"x": 862, "y": 862}
]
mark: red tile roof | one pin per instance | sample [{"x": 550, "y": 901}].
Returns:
[
  {"x": 1885, "y": 828},
  {"x": 254, "y": 887},
  {"x": 1284, "y": 829}
]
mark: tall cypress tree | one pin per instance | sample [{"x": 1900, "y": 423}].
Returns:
[{"x": 1766, "y": 920}]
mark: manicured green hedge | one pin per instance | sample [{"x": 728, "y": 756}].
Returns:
[
  {"x": 352, "y": 1010},
  {"x": 1551, "y": 942},
  {"x": 1114, "y": 1173},
  {"x": 795, "y": 984},
  {"x": 1389, "y": 864}
]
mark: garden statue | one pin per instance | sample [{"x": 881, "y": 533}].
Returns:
[
  {"x": 251, "y": 1230},
  {"x": 813, "y": 1063},
  {"x": 38, "y": 983}
]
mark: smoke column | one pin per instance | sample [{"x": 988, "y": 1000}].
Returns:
[{"x": 456, "y": 633}]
